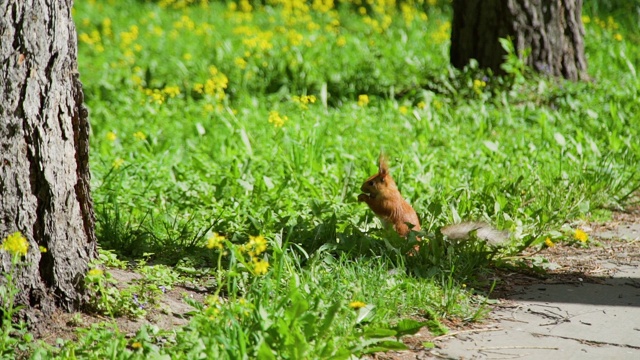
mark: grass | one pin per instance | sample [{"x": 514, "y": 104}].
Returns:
[{"x": 244, "y": 120}]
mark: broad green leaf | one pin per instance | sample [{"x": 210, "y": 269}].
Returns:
[
  {"x": 265, "y": 352},
  {"x": 379, "y": 333},
  {"x": 408, "y": 327},
  {"x": 386, "y": 345},
  {"x": 329, "y": 316},
  {"x": 365, "y": 314}
]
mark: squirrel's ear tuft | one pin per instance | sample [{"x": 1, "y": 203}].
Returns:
[{"x": 383, "y": 167}]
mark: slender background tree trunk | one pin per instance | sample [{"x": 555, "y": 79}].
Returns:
[
  {"x": 552, "y": 29},
  {"x": 44, "y": 154}
]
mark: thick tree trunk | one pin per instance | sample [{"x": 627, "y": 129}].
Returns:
[
  {"x": 44, "y": 154},
  {"x": 552, "y": 29}
]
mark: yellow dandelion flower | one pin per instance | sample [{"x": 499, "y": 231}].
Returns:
[
  {"x": 363, "y": 100},
  {"x": 216, "y": 241},
  {"x": 341, "y": 41},
  {"x": 128, "y": 37},
  {"x": 294, "y": 37},
  {"x": 212, "y": 313},
  {"x": 211, "y": 300},
  {"x": 155, "y": 95},
  {"x": 42, "y": 249},
  {"x": 139, "y": 135},
  {"x": 117, "y": 163},
  {"x": 260, "y": 267},
  {"x": 478, "y": 85},
  {"x": 15, "y": 244},
  {"x": 403, "y": 110},
  {"x": 111, "y": 136},
  {"x": 240, "y": 63},
  {"x": 618, "y": 37},
  {"x": 443, "y": 33},
  {"x": 357, "y": 305},
  {"x": 171, "y": 91},
  {"x": 258, "y": 244},
  {"x": 549, "y": 243},
  {"x": 95, "y": 272},
  {"x": 586, "y": 19},
  {"x": 408, "y": 13},
  {"x": 276, "y": 119},
  {"x": 157, "y": 31},
  {"x": 137, "y": 80},
  {"x": 85, "y": 38},
  {"x": 209, "y": 108},
  {"x": 187, "y": 56},
  {"x": 581, "y": 235},
  {"x": 130, "y": 55},
  {"x": 304, "y": 100},
  {"x": 137, "y": 345},
  {"x": 245, "y": 6}
]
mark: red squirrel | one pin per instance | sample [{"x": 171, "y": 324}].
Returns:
[{"x": 383, "y": 197}]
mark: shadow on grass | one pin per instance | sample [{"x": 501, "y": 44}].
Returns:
[
  {"x": 162, "y": 242},
  {"x": 470, "y": 262},
  {"x": 157, "y": 240},
  {"x": 431, "y": 257},
  {"x": 594, "y": 279}
]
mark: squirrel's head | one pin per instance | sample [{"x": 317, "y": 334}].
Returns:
[{"x": 381, "y": 182}]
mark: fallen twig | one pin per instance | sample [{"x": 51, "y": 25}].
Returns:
[
  {"x": 517, "y": 348},
  {"x": 587, "y": 341},
  {"x": 464, "y": 332}
]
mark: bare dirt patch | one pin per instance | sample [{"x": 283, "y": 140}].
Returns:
[{"x": 171, "y": 312}]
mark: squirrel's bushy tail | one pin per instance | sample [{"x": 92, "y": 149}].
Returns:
[{"x": 484, "y": 231}]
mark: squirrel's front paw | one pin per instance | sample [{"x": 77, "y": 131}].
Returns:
[{"x": 363, "y": 197}]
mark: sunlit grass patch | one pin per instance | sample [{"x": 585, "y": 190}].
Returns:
[{"x": 229, "y": 140}]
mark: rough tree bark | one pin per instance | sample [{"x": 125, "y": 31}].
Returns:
[
  {"x": 44, "y": 154},
  {"x": 552, "y": 29}
]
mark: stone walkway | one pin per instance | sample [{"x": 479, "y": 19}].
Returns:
[
  {"x": 595, "y": 317},
  {"x": 558, "y": 321}
]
